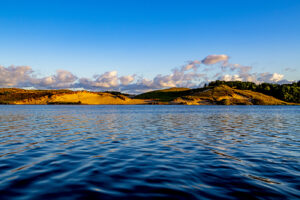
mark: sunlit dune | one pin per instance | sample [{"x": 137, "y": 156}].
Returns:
[
  {"x": 93, "y": 98},
  {"x": 83, "y": 97}
]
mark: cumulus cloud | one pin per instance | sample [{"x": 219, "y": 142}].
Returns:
[
  {"x": 125, "y": 80},
  {"x": 238, "y": 72},
  {"x": 14, "y": 76},
  {"x": 213, "y": 59},
  {"x": 192, "y": 74},
  {"x": 106, "y": 80},
  {"x": 268, "y": 77},
  {"x": 62, "y": 79},
  {"x": 228, "y": 77},
  {"x": 180, "y": 77},
  {"x": 254, "y": 77}
]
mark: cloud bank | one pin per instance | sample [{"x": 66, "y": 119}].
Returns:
[{"x": 193, "y": 74}]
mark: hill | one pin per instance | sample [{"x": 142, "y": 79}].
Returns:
[
  {"x": 164, "y": 95},
  {"x": 225, "y": 95},
  {"x": 214, "y": 94},
  {"x": 285, "y": 92},
  {"x": 20, "y": 96}
]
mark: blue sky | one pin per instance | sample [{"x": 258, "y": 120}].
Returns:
[{"x": 147, "y": 38}]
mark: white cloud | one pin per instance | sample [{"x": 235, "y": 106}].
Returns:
[
  {"x": 62, "y": 79},
  {"x": 15, "y": 76},
  {"x": 180, "y": 77},
  {"x": 228, "y": 77},
  {"x": 213, "y": 59},
  {"x": 268, "y": 77},
  {"x": 105, "y": 80},
  {"x": 125, "y": 80},
  {"x": 256, "y": 78},
  {"x": 190, "y": 75}
]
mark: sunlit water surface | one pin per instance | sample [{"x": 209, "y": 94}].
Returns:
[{"x": 149, "y": 152}]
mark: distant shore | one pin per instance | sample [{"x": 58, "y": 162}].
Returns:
[{"x": 216, "y": 93}]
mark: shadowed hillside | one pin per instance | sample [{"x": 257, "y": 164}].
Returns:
[{"x": 164, "y": 95}]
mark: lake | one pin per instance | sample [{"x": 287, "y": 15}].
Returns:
[{"x": 149, "y": 152}]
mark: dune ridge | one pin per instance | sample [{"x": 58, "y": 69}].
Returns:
[{"x": 217, "y": 95}]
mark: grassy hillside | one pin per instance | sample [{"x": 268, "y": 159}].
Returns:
[
  {"x": 285, "y": 92},
  {"x": 164, "y": 95},
  {"x": 225, "y": 95}
]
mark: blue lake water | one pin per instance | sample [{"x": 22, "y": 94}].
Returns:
[{"x": 149, "y": 152}]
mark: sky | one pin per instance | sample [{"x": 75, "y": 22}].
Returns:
[{"x": 137, "y": 45}]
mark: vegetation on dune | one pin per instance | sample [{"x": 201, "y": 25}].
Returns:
[
  {"x": 5, "y": 102},
  {"x": 225, "y": 95},
  {"x": 164, "y": 95},
  {"x": 117, "y": 93},
  {"x": 285, "y": 92},
  {"x": 257, "y": 98},
  {"x": 10, "y": 95}
]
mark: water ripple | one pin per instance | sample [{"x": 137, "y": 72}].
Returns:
[{"x": 149, "y": 152}]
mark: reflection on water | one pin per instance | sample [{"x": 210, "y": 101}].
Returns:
[{"x": 155, "y": 152}]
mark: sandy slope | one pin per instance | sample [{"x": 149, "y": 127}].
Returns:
[{"x": 83, "y": 97}]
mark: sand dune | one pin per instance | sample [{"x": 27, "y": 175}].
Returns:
[{"x": 82, "y": 97}]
